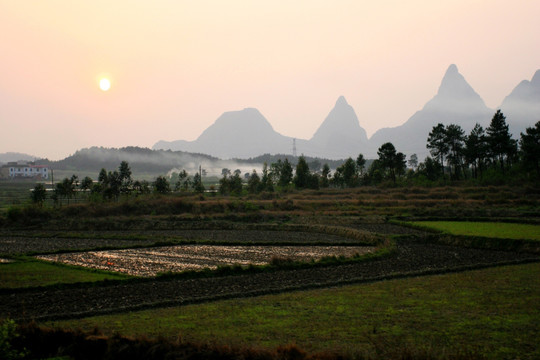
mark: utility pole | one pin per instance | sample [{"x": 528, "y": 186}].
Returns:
[{"x": 294, "y": 147}]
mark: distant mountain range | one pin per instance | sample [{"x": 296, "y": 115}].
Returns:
[
  {"x": 247, "y": 133},
  {"x": 15, "y": 156}
]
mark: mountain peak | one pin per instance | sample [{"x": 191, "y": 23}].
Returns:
[
  {"x": 341, "y": 101},
  {"x": 454, "y": 86},
  {"x": 452, "y": 70},
  {"x": 536, "y": 78}
]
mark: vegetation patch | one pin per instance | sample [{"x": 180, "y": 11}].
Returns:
[
  {"x": 492, "y": 312},
  {"x": 32, "y": 273},
  {"x": 484, "y": 229}
]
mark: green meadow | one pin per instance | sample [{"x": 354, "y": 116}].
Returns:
[
  {"x": 484, "y": 229},
  {"x": 493, "y": 312},
  {"x": 31, "y": 273}
]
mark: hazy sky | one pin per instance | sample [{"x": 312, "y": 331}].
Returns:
[{"x": 176, "y": 66}]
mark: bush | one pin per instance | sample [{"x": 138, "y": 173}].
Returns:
[{"x": 8, "y": 333}]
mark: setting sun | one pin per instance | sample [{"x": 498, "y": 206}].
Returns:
[{"x": 104, "y": 84}]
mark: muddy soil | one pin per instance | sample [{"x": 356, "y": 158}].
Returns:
[
  {"x": 43, "y": 243},
  {"x": 409, "y": 259}
]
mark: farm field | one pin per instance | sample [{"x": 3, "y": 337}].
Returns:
[
  {"x": 485, "y": 229},
  {"x": 29, "y": 273},
  {"x": 151, "y": 261},
  {"x": 230, "y": 271},
  {"x": 481, "y": 311}
]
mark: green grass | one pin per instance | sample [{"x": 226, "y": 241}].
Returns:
[
  {"x": 31, "y": 273},
  {"x": 14, "y": 193},
  {"x": 485, "y": 229},
  {"x": 493, "y": 312}
]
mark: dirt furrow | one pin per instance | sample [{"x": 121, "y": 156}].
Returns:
[{"x": 409, "y": 259}]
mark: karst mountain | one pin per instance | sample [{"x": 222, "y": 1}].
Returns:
[{"x": 247, "y": 133}]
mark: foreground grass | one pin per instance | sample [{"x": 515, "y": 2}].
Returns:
[
  {"x": 30, "y": 273},
  {"x": 484, "y": 229},
  {"x": 493, "y": 312}
]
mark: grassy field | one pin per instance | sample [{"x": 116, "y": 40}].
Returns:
[
  {"x": 30, "y": 273},
  {"x": 493, "y": 312},
  {"x": 485, "y": 229},
  {"x": 14, "y": 193}
]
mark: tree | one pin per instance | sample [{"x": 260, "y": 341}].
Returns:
[
  {"x": 125, "y": 177},
  {"x": 392, "y": 162},
  {"x": 301, "y": 178},
  {"x": 530, "y": 148},
  {"x": 235, "y": 182},
  {"x": 501, "y": 145},
  {"x": 325, "y": 176},
  {"x": 224, "y": 186},
  {"x": 360, "y": 164},
  {"x": 436, "y": 143},
  {"x": 86, "y": 183},
  {"x": 39, "y": 194},
  {"x": 161, "y": 185},
  {"x": 112, "y": 189},
  {"x": 348, "y": 170},
  {"x": 102, "y": 177},
  {"x": 413, "y": 161},
  {"x": 197, "y": 183},
  {"x": 286, "y": 174},
  {"x": 430, "y": 169},
  {"x": 141, "y": 187},
  {"x": 475, "y": 150},
  {"x": 455, "y": 138},
  {"x": 254, "y": 182},
  {"x": 180, "y": 183},
  {"x": 266, "y": 179}
]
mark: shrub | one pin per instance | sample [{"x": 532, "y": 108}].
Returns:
[{"x": 8, "y": 333}]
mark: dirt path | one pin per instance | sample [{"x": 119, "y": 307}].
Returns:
[{"x": 410, "y": 259}]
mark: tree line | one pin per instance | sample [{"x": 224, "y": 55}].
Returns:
[{"x": 454, "y": 156}]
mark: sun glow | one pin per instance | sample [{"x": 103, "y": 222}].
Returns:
[{"x": 104, "y": 84}]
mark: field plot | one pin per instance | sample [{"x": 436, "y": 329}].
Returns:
[
  {"x": 486, "y": 229},
  {"x": 151, "y": 261},
  {"x": 14, "y": 245}
]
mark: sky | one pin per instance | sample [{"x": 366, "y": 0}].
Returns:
[{"x": 175, "y": 66}]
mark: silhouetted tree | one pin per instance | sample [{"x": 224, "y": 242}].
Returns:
[
  {"x": 476, "y": 148},
  {"x": 530, "y": 148},
  {"x": 301, "y": 177},
  {"x": 254, "y": 183},
  {"x": 360, "y": 164},
  {"x": 430, "y": 169},
  {"x": 180, "y": 181},
  {"x": 391, "y": 161},
  {"x": 325, "y": 176},
  {"x": 125, "y": 177},
  {"x": 266, "y": 180},
  {"x": 413, "y": 161},
  {"x": 39, "y": 194},
  {"x": 198, "y": 186},
  {"x": 161, "y": 185},
  {"x": 455, "y": 138},
  {"x": 436, "y": 143},
  {"x": 286, "y": 173},
  {"x": 349, "y": 174},
  {"x": 86, "y": 183},
  {"x": 102, "y": 177},
  {"x": 501, "y": 145}
]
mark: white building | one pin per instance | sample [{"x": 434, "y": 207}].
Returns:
[{"x": 25, "y": 170}]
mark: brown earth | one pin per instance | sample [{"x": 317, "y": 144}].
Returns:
[{"x": 410, "y": 259}]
